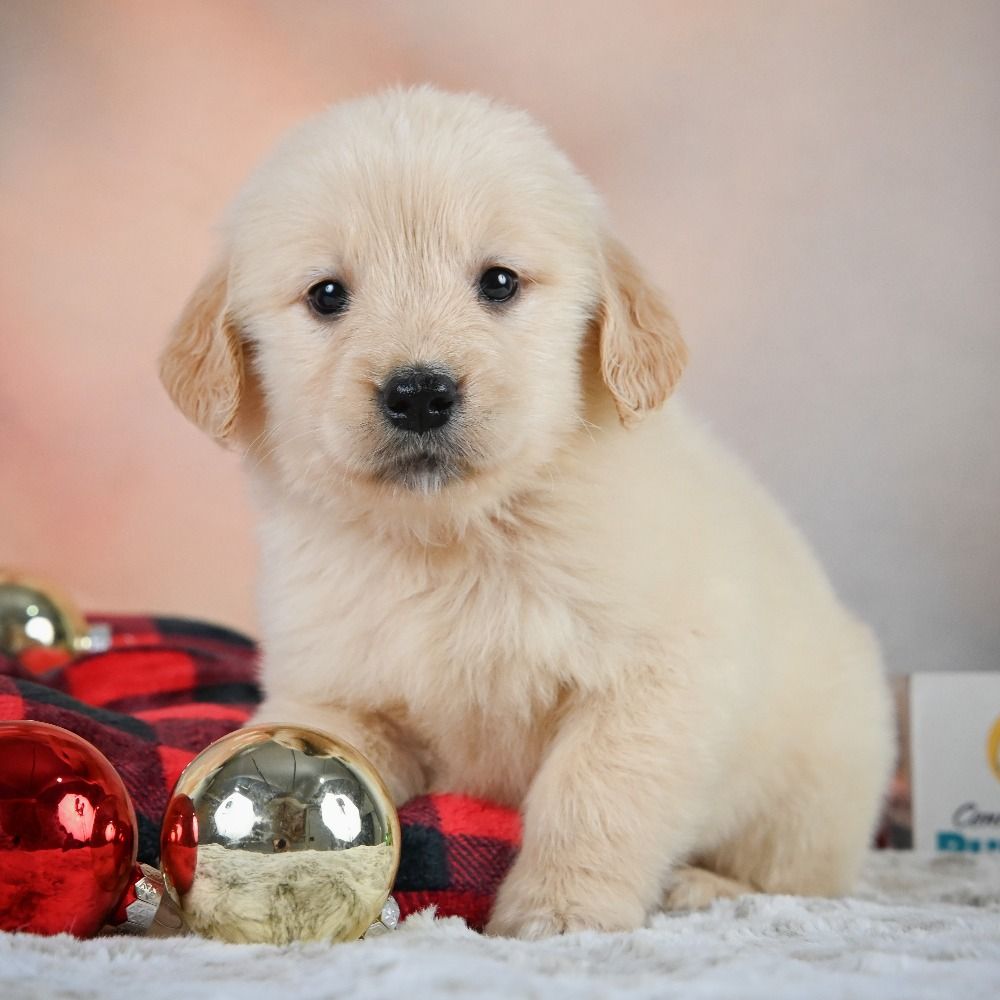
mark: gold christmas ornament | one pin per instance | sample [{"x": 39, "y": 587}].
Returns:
[
  {"x": 40, "y": 628},
  {"x": 276, "y": 834}
]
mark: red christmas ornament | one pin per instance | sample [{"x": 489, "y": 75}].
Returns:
[{"x": 67, "y": 832}]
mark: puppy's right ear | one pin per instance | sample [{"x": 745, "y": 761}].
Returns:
[{"x": 202, "y": 367}]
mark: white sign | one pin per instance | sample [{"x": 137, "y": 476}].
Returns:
[{"x": 955, "y": 743}]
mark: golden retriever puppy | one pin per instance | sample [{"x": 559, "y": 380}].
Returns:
[{"x": 491, "y": 560}]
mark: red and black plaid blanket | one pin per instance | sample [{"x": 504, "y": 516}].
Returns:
[{"x": 168, "y": 687}]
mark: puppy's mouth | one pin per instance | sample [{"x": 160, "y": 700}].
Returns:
[{"x": 422, "y": 470}]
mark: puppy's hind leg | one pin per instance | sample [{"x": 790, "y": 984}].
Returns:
[
  {"x": 808, "y": 844},
  {"x": 812, "y": 831},
  {"x": 694, "y": 888}
]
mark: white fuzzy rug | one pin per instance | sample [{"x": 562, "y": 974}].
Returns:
[{"x": 917, "y": 927}]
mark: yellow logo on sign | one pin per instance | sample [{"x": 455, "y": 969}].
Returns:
[{"x": 993, "y": 748}]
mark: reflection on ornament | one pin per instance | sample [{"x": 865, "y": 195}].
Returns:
[
  {"x": 41, "y": 629},
  {"x": 341, "y": 816},
  {"x": 279, "y": 834},
  {"x": 76, "y": 817},
  {"x": 235, "y": 818}
]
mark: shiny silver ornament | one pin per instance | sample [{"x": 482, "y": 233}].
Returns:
[
  {"x": 276, "y": 834},
  {"x": 40, "y": 628}
]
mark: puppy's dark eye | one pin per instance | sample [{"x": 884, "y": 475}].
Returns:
[
  {"x": 328, "y": 298},
  {"x": 498, "y": 284}
]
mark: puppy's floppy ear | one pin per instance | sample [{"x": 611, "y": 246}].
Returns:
[
  {"x": 642, "y": 353},
  {"x": 202, "y": 367}
]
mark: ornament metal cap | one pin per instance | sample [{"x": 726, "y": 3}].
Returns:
[
  {"x": 388, "y": 920},
  {"x": 147, "y": 909}
]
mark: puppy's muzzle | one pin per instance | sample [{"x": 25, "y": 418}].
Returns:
[{"x": 419, "y": 399}]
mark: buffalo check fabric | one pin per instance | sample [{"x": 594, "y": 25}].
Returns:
[{"x": 167, "y": 687}]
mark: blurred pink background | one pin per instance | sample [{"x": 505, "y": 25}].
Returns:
[{"x": 814, "y": 184}]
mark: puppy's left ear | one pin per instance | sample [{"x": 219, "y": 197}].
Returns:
[{"x": 641, "y": 350}]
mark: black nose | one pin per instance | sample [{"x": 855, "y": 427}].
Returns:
[{"x": 419, "y": 400}]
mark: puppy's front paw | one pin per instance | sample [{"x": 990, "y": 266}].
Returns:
[{"x": 533, "y": 905}]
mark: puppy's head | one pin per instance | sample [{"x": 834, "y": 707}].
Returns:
[{"x": 406, "y": 302}]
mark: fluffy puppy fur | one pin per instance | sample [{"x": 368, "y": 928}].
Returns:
[{"x": 568, "y": 599}]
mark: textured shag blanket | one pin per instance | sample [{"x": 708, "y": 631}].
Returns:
[{"x": 916, "y": 928}]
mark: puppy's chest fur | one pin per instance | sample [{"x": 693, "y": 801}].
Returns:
[{"x": 470, "y": 647}]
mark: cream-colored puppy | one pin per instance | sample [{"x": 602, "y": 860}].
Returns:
[{"x": 490, "y": 559}]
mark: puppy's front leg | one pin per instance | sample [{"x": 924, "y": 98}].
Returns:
[
  {"x": 615, "y": 803},
  {"x": 393, "y": 752}
]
